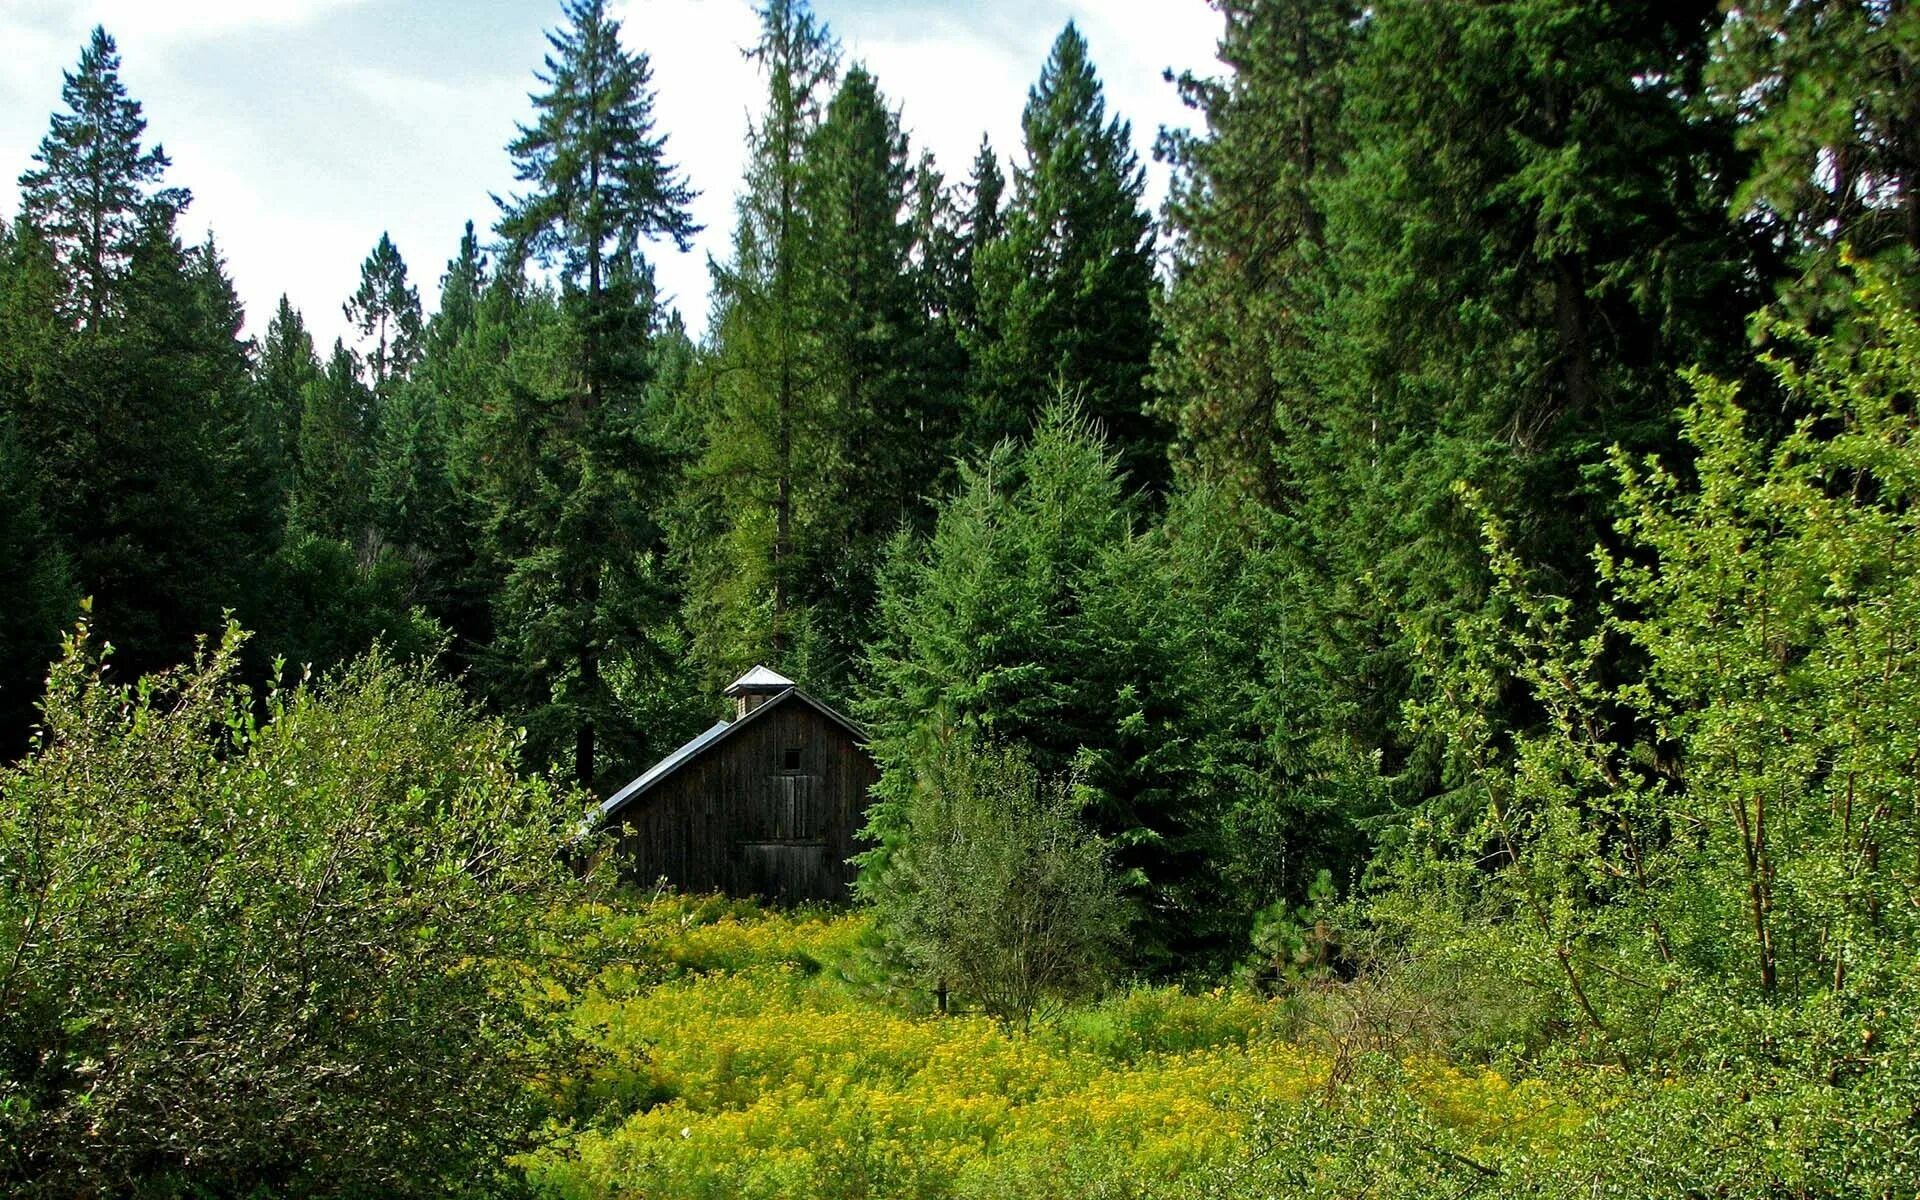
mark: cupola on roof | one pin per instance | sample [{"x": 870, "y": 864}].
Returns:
[{"x": 760, "y": 679}]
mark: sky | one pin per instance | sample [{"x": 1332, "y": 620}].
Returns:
[{"x": 306, "y": 128}]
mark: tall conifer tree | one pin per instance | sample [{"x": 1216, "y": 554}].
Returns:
[
  {"x": 883, "y": 396},
  {"x": 1067, "y": 292},
  {"x": 576, "y": 523},
  {"x": 333, "y": 472},
  {"x": 1529, "y": 233},
  {"x": 768, "y": 434},
  {"x": 95, "y": 183},
  {"x": 139, "y": 416},
  {"x": 286, "y": 368},
  {"x": 385, "y": 309},
  {"x": 1248, "y": 224}
]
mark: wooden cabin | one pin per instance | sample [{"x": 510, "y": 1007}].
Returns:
[{"x": 766, "y": 803}]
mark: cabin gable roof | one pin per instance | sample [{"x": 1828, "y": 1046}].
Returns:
[{"x": 713, "y": 736}]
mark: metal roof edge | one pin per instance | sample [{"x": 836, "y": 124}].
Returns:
[{"x": 652, "y": 776}]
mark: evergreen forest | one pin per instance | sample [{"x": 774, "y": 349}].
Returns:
[{"x": 1394, "y": 672}]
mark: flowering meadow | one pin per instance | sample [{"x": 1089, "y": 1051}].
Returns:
[{"x": 748, "y": 1054}]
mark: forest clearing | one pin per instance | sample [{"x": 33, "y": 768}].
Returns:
[{"x": 745, "y": 1053}]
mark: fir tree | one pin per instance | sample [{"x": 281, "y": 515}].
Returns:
[
  {"x": 94, "y": 183},
  {"x": 886, "y": 409},
  {"x": 137, "y": 415},
  {"x": 1067, "y": 292},
  {"x": 386, "y": 309},
  {"x": 985, "y": 222},
  {"x": 574, "y": 496}
]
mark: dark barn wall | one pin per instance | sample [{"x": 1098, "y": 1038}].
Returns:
[{"x": 738, "y": 819}]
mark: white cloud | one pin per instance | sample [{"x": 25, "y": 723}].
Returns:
[
  {"x": 705, "y": 91},
  {"x": 161, "y": 21}
]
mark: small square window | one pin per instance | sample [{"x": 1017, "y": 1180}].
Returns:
[{"x": 790, "y": 759}]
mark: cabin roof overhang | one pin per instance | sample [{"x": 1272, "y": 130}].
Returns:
[{"x": 667, "y": 767}]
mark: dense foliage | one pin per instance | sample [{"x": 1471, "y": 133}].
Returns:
[
  {"x": 268, "y": 943},
  {"x": 996, "y": 887},
  {"x": 745, "y": 1054}
]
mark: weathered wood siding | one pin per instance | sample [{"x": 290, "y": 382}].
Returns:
[{"x": 739, "y": 819}]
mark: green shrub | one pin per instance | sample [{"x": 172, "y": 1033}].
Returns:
[
  {"x": 998, "y": 890},
  {"x": 282, "y": 954}
]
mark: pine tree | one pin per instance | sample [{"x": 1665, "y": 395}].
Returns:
[
  {"x": 386, "y": 308},
  {"x": 1067, "y": 292},
  {"x": 287, "y": 367},
  {"x": 575, "y": 498},
  {"x": 770, "y": 438},
  {"x": 1248, "y": 225},
  {"x": 94, "y": 185}
]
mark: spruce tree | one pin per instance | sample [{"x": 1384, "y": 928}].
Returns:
[
  {"x": 770, "y": 437},
  {"x": 1067, "y": 292},
  {"x": 95, "y": 184},
  {"x": 574, "y": 498},
  {"x": 385, "y": 308}
]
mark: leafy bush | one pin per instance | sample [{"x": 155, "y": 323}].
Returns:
[
  {"x": 998, "y": 889},
  {"x": 243, "y": 956}
]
